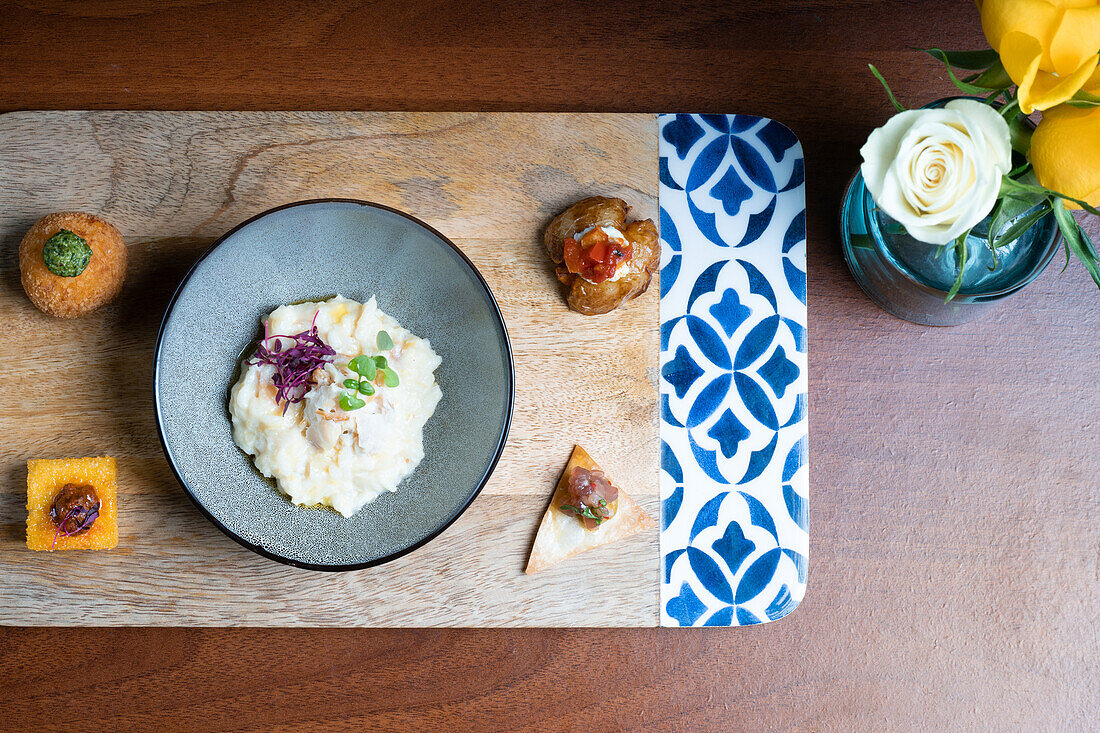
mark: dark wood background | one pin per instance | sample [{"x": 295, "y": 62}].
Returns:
[{"x": 955, "y": 499}]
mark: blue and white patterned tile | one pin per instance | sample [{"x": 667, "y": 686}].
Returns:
[{"x": 734, "y": 541}]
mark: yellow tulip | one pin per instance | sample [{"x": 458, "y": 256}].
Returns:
[
  {"x": 1050, "y": 48},
  {"x": 1065, "y": 151}
]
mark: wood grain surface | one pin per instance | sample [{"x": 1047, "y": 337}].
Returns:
[
  {"x": 174, "y": 181},
  {"x": 955, "y": 505}
]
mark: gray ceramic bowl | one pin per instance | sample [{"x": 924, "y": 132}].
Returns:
[{"x": 312, "y": 250}]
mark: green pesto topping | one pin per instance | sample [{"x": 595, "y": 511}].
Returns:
[{"x": 66, "y": 254}]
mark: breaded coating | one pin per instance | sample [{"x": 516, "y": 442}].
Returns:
[{"x": 97, "y": 285}]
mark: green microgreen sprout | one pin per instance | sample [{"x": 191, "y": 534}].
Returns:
[
  {"x": 368, "y": 368},
  {"x": 349, "y": 402},
  {"x": 364, "y": 366},
  {"x": 363, "y": 386},
  {"x": 584, "y": 511}
]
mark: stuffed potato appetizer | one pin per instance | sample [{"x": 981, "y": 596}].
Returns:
[{"x": 603, "y": 261}]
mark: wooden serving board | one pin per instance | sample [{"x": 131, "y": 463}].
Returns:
[{"x": 173, "y": 182}]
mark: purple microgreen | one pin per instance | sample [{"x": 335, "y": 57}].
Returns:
[
  {"x": 294, "y": 366},
  {"x": 59, "y": 526},
  {"x": 89, "y": 520},
  {"x": 86, "y": 522}
]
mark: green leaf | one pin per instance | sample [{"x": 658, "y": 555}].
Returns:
[
  {"x": 1009, "y": 111},
  {"x": 1012, "y": 204},
  {"x": 1088, "y": 242},
  {"x": 366, "y": 388},
  {"x": 893, "y": 100},
  {"x": 862, "y": 241},
  {"x": 995, "y": 77},
  {"x": 1076, "y": 239},
  {"x": 1019, "y": 134},
  {"x": 969, "y": 88},
  {"x": 1008, "y": 186},
  {"x": 385, "y": 343},
  {"x": 380, "y": 362},
  {"x": 960, "y": 260},
  {"x": 583, "y": 511},
  {"x": 390, "y": 379},
  {"x": 1019, "y": 227},
  {"x": 1083, "y": 204},
  {"x": 969, "y": 60},
  {"x": 349, "y": 402},
  {"x": 994, "y": 227},
  {"x": 351, "y": 384},
  {"x": 1084, "y": 99},
  {"x": 362, "y": 365}
]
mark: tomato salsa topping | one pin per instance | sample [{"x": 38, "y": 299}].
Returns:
[
  {"x": 592, "y": 498},
  {"x": 596, "y": 256}
]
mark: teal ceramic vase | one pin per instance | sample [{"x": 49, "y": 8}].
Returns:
[{"x": 912, "y": 279}]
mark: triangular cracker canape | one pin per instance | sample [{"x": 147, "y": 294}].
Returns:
[{"x": 562, "y": 533}]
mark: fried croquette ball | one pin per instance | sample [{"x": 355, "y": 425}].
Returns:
[{"x": 72, "y": 263}]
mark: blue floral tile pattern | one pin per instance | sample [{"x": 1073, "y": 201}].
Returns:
[{"x": 734, "y": 541}]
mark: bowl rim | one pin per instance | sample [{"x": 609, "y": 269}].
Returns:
[{"x": 502, "y": 441}]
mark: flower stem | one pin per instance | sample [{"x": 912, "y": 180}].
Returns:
[{"x": 889, "y": 93}]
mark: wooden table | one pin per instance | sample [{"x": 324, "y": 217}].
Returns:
[{"x": 955, "y": 559}]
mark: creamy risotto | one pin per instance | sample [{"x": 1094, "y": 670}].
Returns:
[{"x": 333, "y": 404}]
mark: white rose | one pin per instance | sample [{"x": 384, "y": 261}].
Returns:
[{"x": 938, "y": 171}]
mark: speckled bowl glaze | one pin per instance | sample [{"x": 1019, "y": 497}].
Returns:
[{"x": 309, "y": 251}]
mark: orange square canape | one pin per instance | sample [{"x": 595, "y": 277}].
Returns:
[{"x": 45, "y": 480}]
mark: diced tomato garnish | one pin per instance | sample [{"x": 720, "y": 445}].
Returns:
[
  {"x": 598, "y": 252},
  {"x": 596, "y": 257}
]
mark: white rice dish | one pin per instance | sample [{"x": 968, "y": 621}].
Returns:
[{"x": 318, "y": 453}]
